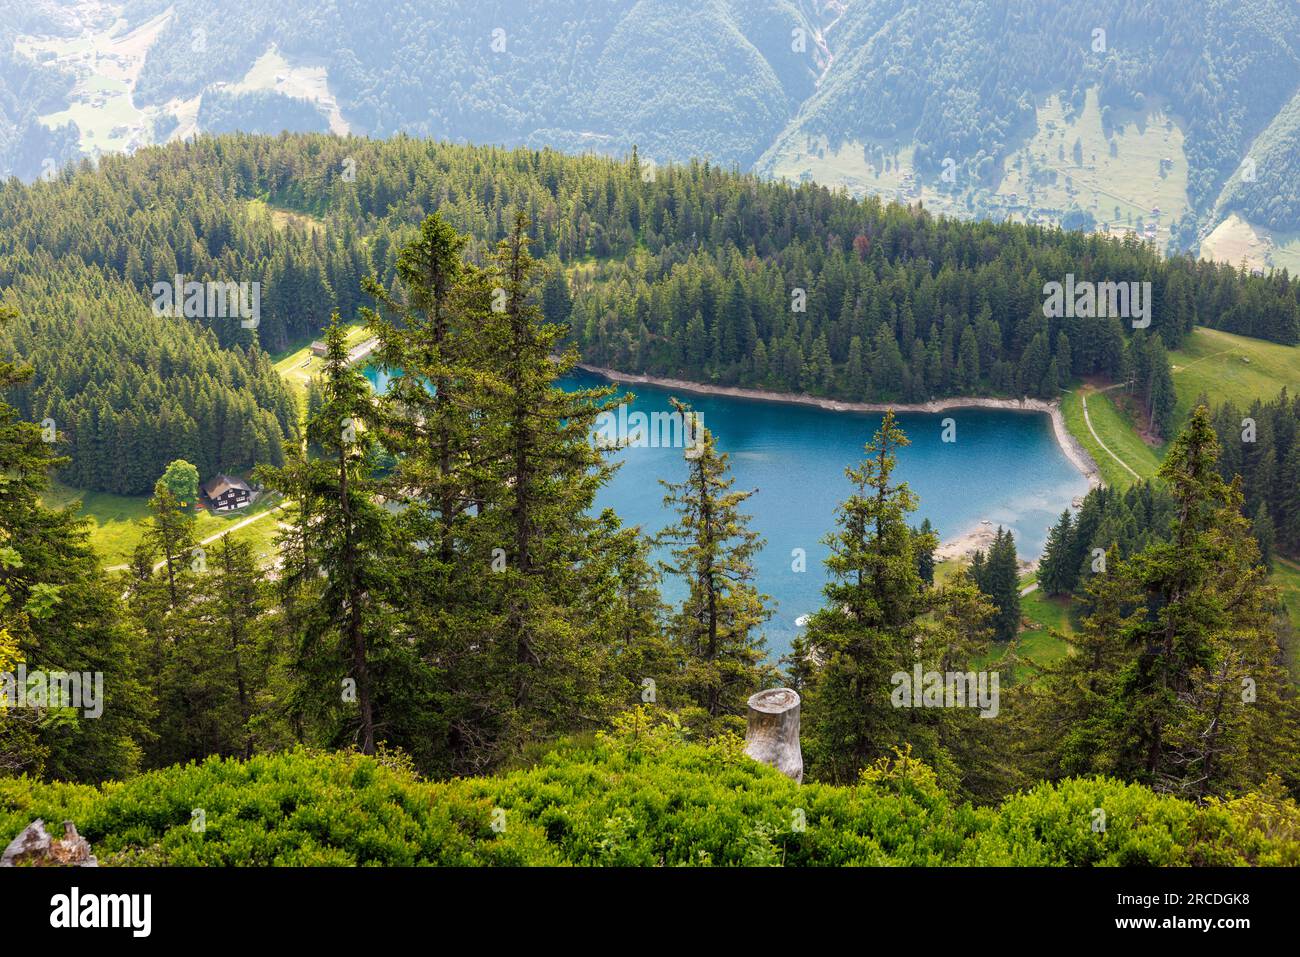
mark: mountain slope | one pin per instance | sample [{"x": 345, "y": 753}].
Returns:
[
  {"x": 912, "y": 90},
  {"x": 958, "y": 84}
]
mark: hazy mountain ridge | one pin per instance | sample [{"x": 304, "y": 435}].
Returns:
[
  {"x": 913, "y": 90},
  {"x": 959, "y": 83},
  {"x": 27, "y": 89}
]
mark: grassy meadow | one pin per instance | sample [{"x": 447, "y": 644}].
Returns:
[
  {"x": 298, "y": 366},
  {"x": 1226, "y": 367},
  {"x": 116, "y": 522}
]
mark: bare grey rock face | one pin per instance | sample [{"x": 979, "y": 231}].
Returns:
[
  {"x": 772, "y": 735},
  {"x": 35, "y": 848}
]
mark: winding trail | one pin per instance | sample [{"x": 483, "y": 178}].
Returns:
[
  {"x": 1083, "y": 398},
  {"x": 242, "y": 523}
]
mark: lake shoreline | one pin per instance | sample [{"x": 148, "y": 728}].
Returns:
[
  {"x": 1069, "y": 446},
  {"x": 954, "y": 549}
]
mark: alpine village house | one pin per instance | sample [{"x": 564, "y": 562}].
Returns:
[{"x": 226, "y": 493}]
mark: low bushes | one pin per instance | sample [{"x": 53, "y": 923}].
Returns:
[{"x": 634, "y": 797}]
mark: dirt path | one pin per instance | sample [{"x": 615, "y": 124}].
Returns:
[
  {"x": 1213, "y": 355},
  {"x": 242, "y": 523},
  {"x": 362, "y": 350},
  {"x": 1083, "y": 398}
]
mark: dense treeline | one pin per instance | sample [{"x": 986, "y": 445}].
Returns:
[
  {"x": 1262, "y": 445},
  {"x": 692, "y": 272},
  {"x": 1177, "y": 677},
  {"x": 127, "y": 391},
  {"x": 59, "y": 613},
  {"x": 726, "y": 79},
  {"x": 148, "y": 218},
  {"x": 1259, "y": 446},
  {"x": 258, "y": 111},
  {"x": 698, "y": 272},
  {"x": 1109, "y": 522}
]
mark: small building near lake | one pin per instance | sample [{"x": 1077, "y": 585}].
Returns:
[{"x": 227, "y": 494}]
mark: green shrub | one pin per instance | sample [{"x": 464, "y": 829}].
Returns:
[{"x": 640, "y": 796}]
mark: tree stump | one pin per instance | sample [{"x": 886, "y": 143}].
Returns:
[{"x": 772, "y": 735}]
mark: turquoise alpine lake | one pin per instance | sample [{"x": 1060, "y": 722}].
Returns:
[{"x": 1004, "y": 467}]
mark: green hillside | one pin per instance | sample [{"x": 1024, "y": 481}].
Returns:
[
  {"x": 117, "y": 522},
  {"x": 1227, "y": 367},
  {"x": 1110, "y": 435},
  {"x": 1218, "y": 365}
]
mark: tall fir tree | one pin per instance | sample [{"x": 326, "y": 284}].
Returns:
[
  {"x": 998, "y": 576},
  {"x": 348, "y": 645},
  {"x": 926, "y": 544},
  {"x": 535, "y": 543},
  {"x": 170, "y": 532},
  {"x": 868, "y": 629},
  {"x": 712, "y": 548},
  {"x": 1176, "y": 682},
  {"x": 1055, "y": 576}
]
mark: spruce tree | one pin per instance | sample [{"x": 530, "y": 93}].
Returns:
[
  {"x": 712, "y": 548},
  {"x": 170, "y": 532},
  {"x": 998, "y": 576},
  {"x": 1265, "y": 534},
  {"x": 1177, "y": 684},
  {"x": 1159, "y": 389},
  {"x": 345, "y": 632},
  {"x": 1055, "y": 576},
  {"x": 426, "y": 340},
  {"x": 926, "y": 544},
  {"x": 867, "y": 631},
  {"x": 1066, "y": 718},
  {"x": 238, "y": 620},
  {"x": 534, "y": 542}
]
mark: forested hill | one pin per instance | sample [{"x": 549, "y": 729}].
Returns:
[
  {"x": 775, "y": 85},
  {"x": 688, "y": 270}
]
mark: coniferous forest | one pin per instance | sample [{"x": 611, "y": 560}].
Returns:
[
  {"x": 443, "y": 587},
  {"x": 689, "y": 271},
  {"x": 649, "y": 434},
  {"x": 455, "y": 657},
  {"x": 450, "y": 450}
]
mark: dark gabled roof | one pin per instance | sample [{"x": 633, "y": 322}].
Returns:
[{"x": 221, "y": 484}]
